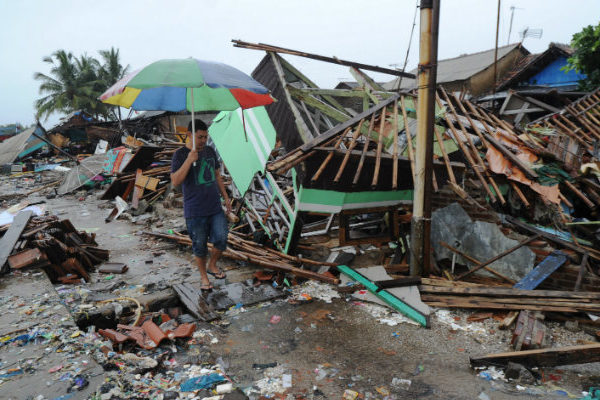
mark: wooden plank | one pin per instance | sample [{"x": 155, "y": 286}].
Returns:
[
  {"x": 329, "y": 157},
  {"x": 496, "y": 258},
  {"x": 146, "y": 182},
  {"x": 550, "y": 237},
  {"x": 301, "y": 126},
  {"x": 386, "y": 296},
  {"x": 30, "y": 257},
  {"x": 544, "y": 357},
  {"x": 522, "y": 303},
  {"x": 520, "y": 194},
  {"x": 195, "y": 304},
  {"x": 476, "y": 168},
  {"x": 11, "y": 236},
  {"x": 349, "y": 149},
  {"x": 506, "y": 292},
  {"x": 379, "y": 148},
  {"x": 364, "y": 152},
  {"x": 542, "y": 271},
  {"x": 582, "y": 268},
  {"x": 335, "y": 60},
  {"x": 395, "y": 152},
  {"x": 458, "y": 303},
  {"x": 409, "y": 143},
  {"x": 137, "y": 191},
  {"x": 345, "y": 125}
]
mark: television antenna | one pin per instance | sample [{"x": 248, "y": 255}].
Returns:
[
  {"x": 512, "y": 14},
  {"x": 528, "y": 32}
]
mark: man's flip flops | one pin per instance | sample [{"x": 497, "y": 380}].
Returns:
[{"x": 218, "y": 275}]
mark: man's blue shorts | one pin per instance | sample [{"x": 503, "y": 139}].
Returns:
[{"x": 212, "y": 227}]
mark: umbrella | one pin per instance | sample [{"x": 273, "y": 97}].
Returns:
[
  {"x": 187, "y": 84},
  {"x": 82, "y": 173}
]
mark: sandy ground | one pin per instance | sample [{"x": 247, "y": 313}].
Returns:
[{"x": 314, "y": 349}]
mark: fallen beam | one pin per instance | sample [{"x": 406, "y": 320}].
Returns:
[
  {"x": 10, "y": 238},
  {"x": 334, "y": 60},
  {"x": 513, "y": 159},
  {"x": 543, "y": 357},
  {"x": 386, "y": 296}
]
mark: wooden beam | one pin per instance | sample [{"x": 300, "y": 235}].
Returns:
[
  {"x": 350, "y": 122},
  {"x": 310, "y": 83},
  {"x": 550, "y": 237},
  {"x": 349, "y": 149},
  {"x": 300, "y": 123},
  {"x": 512, "y": 158},
  {"x": 476, "y": 262},
  {"x": 379, "y": 148},
  {"x": 363, "y": 154},
  {"x": 386, "y": 296},
  {"x": 10, "y": 238},
  {"x": 499, "y": 256},
  {"x": 544, "y": 357},
  {"x": 334, "y": 60}
]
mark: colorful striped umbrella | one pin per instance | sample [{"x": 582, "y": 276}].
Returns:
[{"x": 187, "y": 84}]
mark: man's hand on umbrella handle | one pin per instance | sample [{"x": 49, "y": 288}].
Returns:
[{"x": 193, "y": 156}]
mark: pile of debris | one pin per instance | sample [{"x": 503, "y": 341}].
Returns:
[{"x": 67, "y": 255}]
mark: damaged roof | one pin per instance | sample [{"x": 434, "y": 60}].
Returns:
[
  {"x": 534, "y": 63},
  {"x": 461, "y": 67}
]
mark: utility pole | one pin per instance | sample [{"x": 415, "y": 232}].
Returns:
[{"x": 421, "y": 220}]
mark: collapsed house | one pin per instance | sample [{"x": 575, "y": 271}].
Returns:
[{"x": 515, "y": 205}]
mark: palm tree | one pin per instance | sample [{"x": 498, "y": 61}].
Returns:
[
  {"x": 61, "y": 87},
  {"x": 109, "y": 73},
  {"x": 76, "y": 83}
]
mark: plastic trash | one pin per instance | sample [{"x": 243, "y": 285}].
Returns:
[
  {"x": 224, "y": 388},
  {"x": 201, "y": 382}
]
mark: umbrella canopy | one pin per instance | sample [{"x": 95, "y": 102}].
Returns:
[
  {"x": 82, "y": 173},
  {"x": 187, "y": 84}
]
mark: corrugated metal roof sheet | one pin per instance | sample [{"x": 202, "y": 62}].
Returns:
[
  {"x": 279, "y": 112},
  {"x": 10, "y": 148},
  {"x": 459, "y": 68}
]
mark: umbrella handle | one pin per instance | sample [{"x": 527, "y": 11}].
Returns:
[{"x": 193, "y": 123}]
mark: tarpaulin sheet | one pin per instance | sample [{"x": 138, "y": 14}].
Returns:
[
  {"x": 244, "y": 153},
  {"x": 11, "y": 148}
]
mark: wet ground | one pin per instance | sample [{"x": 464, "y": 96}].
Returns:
[{"x": 314, "y": 349}]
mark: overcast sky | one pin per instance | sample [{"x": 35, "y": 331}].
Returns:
[{"x": 371, "y": 32}]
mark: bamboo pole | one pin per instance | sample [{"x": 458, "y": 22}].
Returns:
[{"x": 379, "y": 148}]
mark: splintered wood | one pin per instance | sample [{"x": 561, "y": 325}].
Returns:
[
  {"x": 67, "y": 255},
  {"x": 253, "y": 253}
]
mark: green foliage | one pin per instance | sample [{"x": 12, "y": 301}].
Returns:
[
  {"x": 586, "y": 58},
  {"x": 75, "y": 83}
]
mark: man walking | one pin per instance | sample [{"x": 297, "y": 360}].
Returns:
[{"x": 198, "y": 170}]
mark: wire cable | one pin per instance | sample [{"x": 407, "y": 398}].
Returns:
[{"x": 412, "y": 30}]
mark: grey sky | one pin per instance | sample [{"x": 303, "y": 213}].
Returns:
[{"x": 373, "y": 32}]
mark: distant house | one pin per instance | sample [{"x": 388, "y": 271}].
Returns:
[
  {"x": 472, "y": 73},
  {"x": 543, "y": 70},
  {"x": 10, "y": 130},
  {"x": 536, "y": 86}
]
